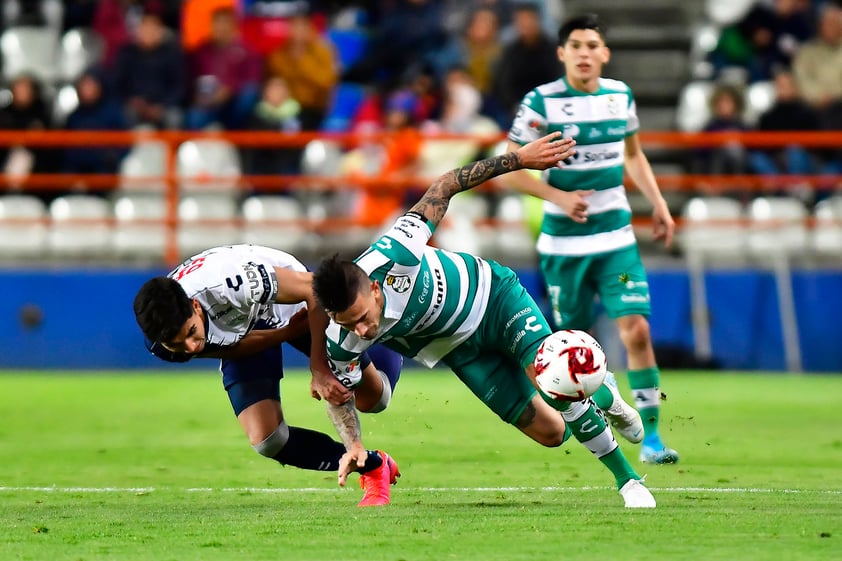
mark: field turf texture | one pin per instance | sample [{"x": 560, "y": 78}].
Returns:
[{"x": 135, "y": 466}]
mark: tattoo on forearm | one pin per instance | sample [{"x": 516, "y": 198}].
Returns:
[
  {"x": 344, "y": 417},
  {"x": 434, "y": 203}
]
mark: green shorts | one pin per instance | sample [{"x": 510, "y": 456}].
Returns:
[
  {"x": 492, "y": 361},
  {"x": 617, "y": 277}
]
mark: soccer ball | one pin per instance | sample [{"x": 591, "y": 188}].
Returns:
[{"x": 570, "y": 366}]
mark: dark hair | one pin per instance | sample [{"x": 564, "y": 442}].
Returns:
[
  {"x": 585, "y": 21},
  {"x": 161, "y": 307},
  {"x": 337, "y": 282},
  {"x": 727, "y": 90}
]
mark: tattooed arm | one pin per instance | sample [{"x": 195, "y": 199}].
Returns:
[
  {"x": 344, "y": 417},
  {"x": 347, "y": 423},
  {"x": 543, "y": 153}
]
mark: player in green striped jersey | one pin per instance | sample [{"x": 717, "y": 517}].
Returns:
[
  {"x": 587, "y": 246},
  {"x": 471, "y": 314}
]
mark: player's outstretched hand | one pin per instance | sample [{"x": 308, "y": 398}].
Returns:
[
  {"x": 546, "y": 152},
  {"x": 351, "y": 461},
  {"x": 325, "y": 385}
]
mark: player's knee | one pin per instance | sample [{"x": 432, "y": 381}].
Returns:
[
  {"x": 376, "y": 404},
  {"x": 542, "y": 424},
  {"x": 552, "y": 439},
  {"x": 634, "y": 332},
  {"x": 272, "y": 444}
]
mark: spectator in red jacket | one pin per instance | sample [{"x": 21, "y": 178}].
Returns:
[{"x": 225, "y": 77}]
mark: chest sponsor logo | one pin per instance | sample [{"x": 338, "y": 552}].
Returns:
[
  {"x": 398, "y": 283},
  {"x": 437, "y": 300},
  {"x": 583, "y": 156},
  {"x": 570, "y": 131}
]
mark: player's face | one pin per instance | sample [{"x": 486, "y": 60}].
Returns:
[
  {"x": 363, "y": 316},
  {"x": 191, "y": 338},
  {"x": 583, "y": 56}
]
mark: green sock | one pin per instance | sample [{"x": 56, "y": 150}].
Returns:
[
  {"x": 603, "y": 397},
  {"x": 589, "y": 428},
  {"x": 644, "y": 385}
]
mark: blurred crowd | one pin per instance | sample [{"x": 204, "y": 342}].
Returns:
[
  {"x": 407, "y": 66},
  {"x": 286, "y": 66},
  {"x": 795, "y": 46}
]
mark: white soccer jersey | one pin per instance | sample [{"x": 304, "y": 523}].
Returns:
[
  {"x": 599, "y": 122},
  {"x": 236, "y": 286}
]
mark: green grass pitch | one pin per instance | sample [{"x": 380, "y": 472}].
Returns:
[{"x": 153, "y": 466}]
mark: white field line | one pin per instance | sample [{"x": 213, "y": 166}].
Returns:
[{"x": 271, "y": 490}]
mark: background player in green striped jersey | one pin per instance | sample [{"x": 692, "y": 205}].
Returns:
[
  {"x": 587, "y": 246},
  {"x": 471, "y": 314}
]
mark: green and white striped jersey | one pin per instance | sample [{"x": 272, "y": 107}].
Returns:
[
  {"x": 599, "y": 122},
  {"x": 433, "y": 299}
]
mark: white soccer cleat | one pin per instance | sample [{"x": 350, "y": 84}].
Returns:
[
  {"x": 636, "y": 495},
  {"x": 623, "y": 417}
]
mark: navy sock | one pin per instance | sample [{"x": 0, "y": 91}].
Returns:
[
  {"x": 308, "y": 449},
  {"x": 373, "y": 461},
  {"x": 387, "y": 361}
]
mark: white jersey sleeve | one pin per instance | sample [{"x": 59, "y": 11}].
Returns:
[{"x": 530, "y": 123}]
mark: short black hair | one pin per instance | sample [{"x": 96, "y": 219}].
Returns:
[
  {"x": 585, "y": 21},
  {"x": 161, "y": 307},
  {"x": 337, "y": 282}
]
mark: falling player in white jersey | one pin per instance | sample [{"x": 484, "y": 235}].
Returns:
[
  {"x": 239, "y": 304},
  {"x": 471, "y": 314},
  {"x": 587, "y": 246}
]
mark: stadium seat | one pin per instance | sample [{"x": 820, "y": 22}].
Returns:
[
  {"x": 275, "y": 221},
  {"x": 30, "y": 50},
  {"x": 759, "y": 98},
  {"x": 65, "y": 102},
  {"x": 778, "y": 226},
  {"x": 347, "y": 98},
  {"x": 727, "y": 12},
  {"x": 713, "y": 227},
  {"x": 441, "y": 155},
  {"x": 693, "y": 110},
  {"x": 703, "y": 41},
  {"x": 23, "y": 232},
  {"x": 461, "y": 228},
  {"x": 80, "y": 49},
  {"x": 49, "y": 13},
  {"x": 321, "y": 157},
  {"x": 208, "y": 165},
  {"x": 514, "y": 240},
  {"x": 206, "y": 220},
  {"x": 80, "y": 226},
  {"x": 136, "y": 236},
  {"x": 827, "y": 233},
  {"x": 350, "y": 45},
  {"x": 143, "y": 168},
  {"x": 713, "y": 231},
  {"x": 779, "y": 233}
]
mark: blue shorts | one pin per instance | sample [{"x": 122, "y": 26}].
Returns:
[{"x": 258, "y": 377}]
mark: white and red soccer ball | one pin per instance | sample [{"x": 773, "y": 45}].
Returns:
[{"x": 570, "y": 365}]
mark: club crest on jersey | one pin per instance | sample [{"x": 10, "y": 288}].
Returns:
[
  {"x": 613, "y": 107},
  {"x": 398, "y": 283}
]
